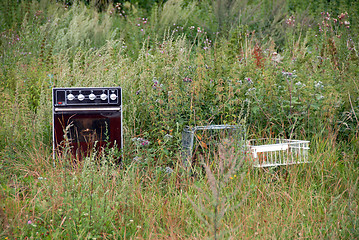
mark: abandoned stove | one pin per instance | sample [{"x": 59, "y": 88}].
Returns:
[{"x": 85, "y": 119}]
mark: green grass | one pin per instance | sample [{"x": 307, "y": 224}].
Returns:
[
  {"x": 173, "y": 76},
  {"x": 314, "y": 200}
]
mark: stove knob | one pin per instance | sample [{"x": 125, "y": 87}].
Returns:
[
  {"x": 113, "y": 97},
  {"x": 70, "y": 97},
  {"x": 103, "y": 96},
  {"x": 92, "y": 96},
  {"x": 81, "y": 97}
]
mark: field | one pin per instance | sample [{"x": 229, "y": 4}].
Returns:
[{"x": 279, "y": 69}]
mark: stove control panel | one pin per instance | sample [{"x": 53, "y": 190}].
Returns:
[{"x": 86, "y": 96}]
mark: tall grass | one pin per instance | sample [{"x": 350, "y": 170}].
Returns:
[
  {"x": 317, "y": 200},
  {"x": 293, "y": 79}
]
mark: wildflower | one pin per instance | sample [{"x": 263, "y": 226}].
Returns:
[
  {"x": 187, "y": 79},
  {"x": 168, "y": 170},
  {"x": 144, "y": 143},
  {"x": 29, "y": 222},
  {"x": 288, "y": 74},
  {"x": 346, "y": 23},
  {"x": 290, "y": 21},
  {"x": 250, "y": 90},
  {"x": 318, "y": 84},
  {"x": 276, "y": 57},
  {"x": 168, "y": 136},
  {"x": 138, "y": 92},
  {"x": 249, "y": 80},
  {"x": 141, "y": 142},
  {"x": 342, "y": 16},
  {"x": 155, "y": 83},
  {"x": 299, "y": 84},
  {"x": 131, "y": 220}
]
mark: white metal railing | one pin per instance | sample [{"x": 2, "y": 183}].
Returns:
[{"x": 275, "y": 152}]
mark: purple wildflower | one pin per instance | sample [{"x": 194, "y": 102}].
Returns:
[
  {"x": 141, "y": 141},
  {"x": 286, "y": 73},
  {"x": 249, "y": 80},
  {"x": 187, "y": 79}
]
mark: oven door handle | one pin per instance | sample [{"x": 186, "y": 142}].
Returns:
[{"x": 87, "y": 109}]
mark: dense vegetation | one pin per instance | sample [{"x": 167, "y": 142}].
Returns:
[{"x": 281, "y": 68}]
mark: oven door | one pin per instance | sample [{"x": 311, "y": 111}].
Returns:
[{"x": 85, "y": 130}]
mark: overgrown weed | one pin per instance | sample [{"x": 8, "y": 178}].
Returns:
[{"x": 301, "y": 83}]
